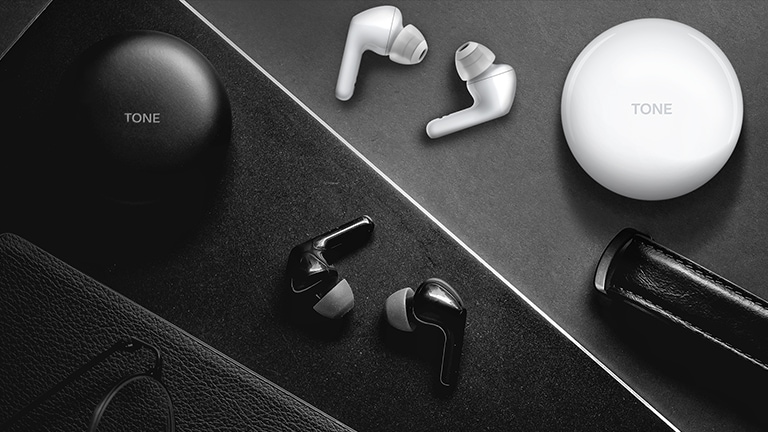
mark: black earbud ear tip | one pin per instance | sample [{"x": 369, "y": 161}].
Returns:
[
  {"x": 337, "y": 302},
  {"x": 397, "y": 306}
]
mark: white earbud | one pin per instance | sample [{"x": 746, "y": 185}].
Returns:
[
  {"x": 492, "y": 87},
  {"x": 380, "y": 30}
]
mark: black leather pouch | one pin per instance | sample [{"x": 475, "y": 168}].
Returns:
[
  {"x": 645, "y": 274},
  {"x": 54, "y": 319}
]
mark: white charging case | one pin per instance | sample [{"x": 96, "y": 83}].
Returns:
[{"x": 652, "y": 109}]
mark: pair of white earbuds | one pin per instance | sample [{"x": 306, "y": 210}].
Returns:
[{"x": 380, "y": 29}]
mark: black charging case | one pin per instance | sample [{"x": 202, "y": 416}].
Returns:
[{"x": 146, "y": 116}]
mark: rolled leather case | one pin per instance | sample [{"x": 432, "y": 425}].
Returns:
[{"x": 645, "y": 274}]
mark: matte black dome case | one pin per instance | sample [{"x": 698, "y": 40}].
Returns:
[{"x": 146, "y": 113}]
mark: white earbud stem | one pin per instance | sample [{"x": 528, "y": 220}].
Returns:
[
  {"x": 379, "y": 29},
  {"x": 492, "y": 87}
]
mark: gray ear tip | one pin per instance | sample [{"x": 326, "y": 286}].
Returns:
[
  {"x": 472, "y": 59},
  {"x": 337, "y": 302},
  {"x": 409, "y": 47},
  {"x": 397, "y": 309}
]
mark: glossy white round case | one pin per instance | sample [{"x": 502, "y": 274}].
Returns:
[{"x": 652, "y": 109}]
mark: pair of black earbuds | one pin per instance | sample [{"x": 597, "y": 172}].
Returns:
[{"x": 315, "y": 285}]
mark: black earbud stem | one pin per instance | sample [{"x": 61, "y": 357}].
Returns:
[
  {"x": 437, "y": 304},
  {"x": 344, "y": 239}
]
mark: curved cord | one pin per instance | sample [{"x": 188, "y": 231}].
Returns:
[
  {"x": 127, "y": 345},
  {"x": 98, "y": 412}
]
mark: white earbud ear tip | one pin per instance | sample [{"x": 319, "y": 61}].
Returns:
[
  {"x": 409, "y": 46},
  {"x": 472, "y": 59},
  {"x": 397, "y": 310}
]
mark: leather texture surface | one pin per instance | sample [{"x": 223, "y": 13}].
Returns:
[
  {"x": 667, "y": 284},
  {"x": 53, "y": 317}
]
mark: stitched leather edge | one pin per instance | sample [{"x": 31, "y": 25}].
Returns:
[
  {"x": 713, "y": 277},
  {"x": 648, "y": 304}
]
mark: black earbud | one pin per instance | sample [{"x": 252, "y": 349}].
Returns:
[
  {"x": 437, "y": 304},
  {"x": 313, "y": 280}
]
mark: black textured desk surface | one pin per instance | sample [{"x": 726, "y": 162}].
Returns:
[{"x": 538, "y": 218}]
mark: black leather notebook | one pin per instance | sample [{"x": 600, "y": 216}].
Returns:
[
  {"x": 286, "y": 178},
  {"x": 54, "y": 318}
]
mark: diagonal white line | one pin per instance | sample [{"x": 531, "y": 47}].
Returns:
[{"x": 433, "y": 219}]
